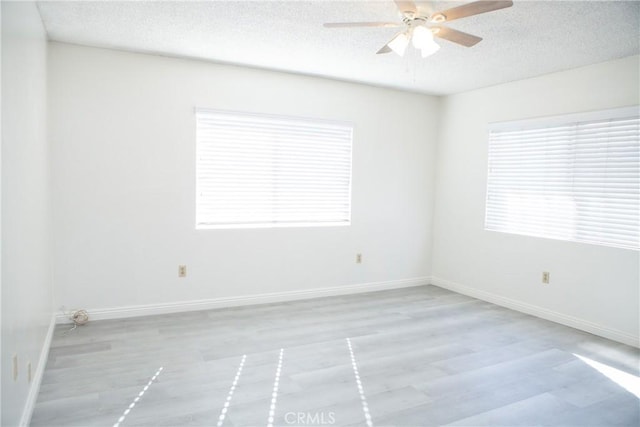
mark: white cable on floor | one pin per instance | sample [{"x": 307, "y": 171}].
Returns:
[{"x": 78, "y": 317}]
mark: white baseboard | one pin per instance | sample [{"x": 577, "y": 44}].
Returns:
[
  {"x": 183, "y": 306},
  {"x": 554, "y": 316},
  {"x": 36, "y": 380}
]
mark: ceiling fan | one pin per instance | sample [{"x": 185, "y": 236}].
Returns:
[{"x": 422, "y": 28}]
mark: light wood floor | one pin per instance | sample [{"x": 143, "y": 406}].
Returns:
[{"x": 424, "y": 356}]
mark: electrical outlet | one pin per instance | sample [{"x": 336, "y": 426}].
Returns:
[
  {"x": 182, "y": 271},
  {"x": 15, "y": 367},
  {"x": 545, "y": 277},
  {"x": 358, "y": 258},
  {"x": 29, "y": 372}
]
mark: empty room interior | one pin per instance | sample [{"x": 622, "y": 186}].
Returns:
[{"x": 318, "y": 213}]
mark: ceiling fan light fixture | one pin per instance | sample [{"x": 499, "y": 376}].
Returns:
[
  {"x": 420, "y": 29},
  {"x": 399, "y": 43},
  {"x": 422, "y": 37},
  {"x": 438, "y": 18},
  {"x": 430, "y": 49}
]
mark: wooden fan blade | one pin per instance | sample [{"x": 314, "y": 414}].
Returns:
[
  {"x": 406, "y": 6},
  {"x": 470, "y": 9},
  {"x": 363, "y": 24},
  {"x": 456, "y": 36}
]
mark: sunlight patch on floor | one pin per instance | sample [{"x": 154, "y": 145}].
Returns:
[{"x": 629, "y": 382}]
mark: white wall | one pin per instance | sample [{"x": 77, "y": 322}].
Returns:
[
  {"x": 26, "y": 228},
  {"x": 123, "y": 141},
  {"x": 123, "y": 132},
  {"x": 1, "y": 356},
  {"x": 590, "y": 284}
]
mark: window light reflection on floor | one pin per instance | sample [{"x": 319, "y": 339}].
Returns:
[{"x": 629, "y": 382}]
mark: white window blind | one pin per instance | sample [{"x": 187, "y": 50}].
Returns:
[
  {"x": 255, "y": 170},
  {"x": 572, "y": 178}
]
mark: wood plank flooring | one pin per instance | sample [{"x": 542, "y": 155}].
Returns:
[{"x": 425, "y": 357}]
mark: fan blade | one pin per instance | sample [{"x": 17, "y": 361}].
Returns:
[
  {"x": 470, "y": 9},
  {"x": 406, "y": 6},
  {"x": 456, "y": 36},
  {"x": 363, "y": 24}
]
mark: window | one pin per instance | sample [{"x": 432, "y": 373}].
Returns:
[
  {"x": 572, "y": 178},
  {"x": 256, "y": 170}
]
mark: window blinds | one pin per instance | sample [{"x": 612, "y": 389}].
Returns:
[
  {"x": 271, "y": 171},
  {"x": 571, "y": 179}
]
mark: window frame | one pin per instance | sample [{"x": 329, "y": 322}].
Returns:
[
  {"x": 201, "y": 225},
  {"x": 550, "y": 122}
]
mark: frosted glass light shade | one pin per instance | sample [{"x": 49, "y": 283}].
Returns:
[
  {"x": 430, "y": 49},
  {"x": 399, "y": 43},
  {"x": 422, "y": 36}
]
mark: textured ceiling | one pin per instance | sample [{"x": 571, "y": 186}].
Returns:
[{"x": 529, "y": 39}]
